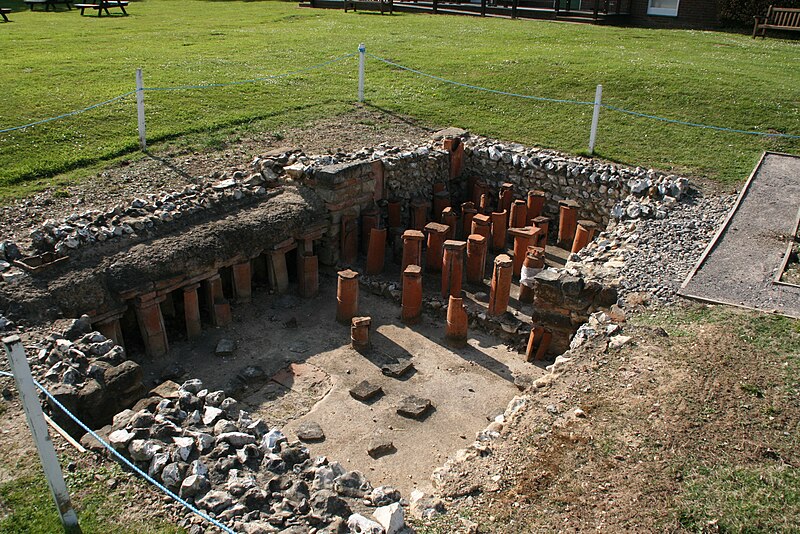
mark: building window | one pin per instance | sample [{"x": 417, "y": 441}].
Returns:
[{"x": 668, "y": 8}]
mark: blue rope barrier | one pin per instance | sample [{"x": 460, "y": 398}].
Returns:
[
  {"x": 70, "y": 114},
  {"x": 479, "y": 88},
  {"x": 579, "y": 102},
  {"x": 128, "y": 462},
  {"x": 254, "y": 80}
]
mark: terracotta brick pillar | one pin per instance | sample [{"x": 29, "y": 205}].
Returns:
[
  {"x": 453, "y": 267},
  {"x": 347, "y": 296},
  {"x": 533, "y": 341},
  {"x": 567, "y": 222},
  {"x": 519, "y": 215},
  {"x": 436, "y": 236},
  {"x": 522, "y": 239},
  {"x": 468, "y": 211},
  {"x": 370, "y": 218},
  {"x": 499, "y": 231},
  {"x": 484, "y": 204},
  {"x": 359, "y": 333},
  {"x": 505, "y": 197},
  {"x": 412, "y": 248},
  {"x": 478, "y": 189},
  {"x": 441, "y": 200},
  {"x": 411, "y": 307},
  {"x": 112, "y": 330},
  {"x": 543, "y": 223},
  {"x": 151, "y": 324},
  {"x": 533, "y": 264},
  {"x": 395, "y": 244},
  {"x": 456, "y": 332},
  {"x": 419, "y": 214},
  {"x": 544, "y": 345},
  {"x": 450, "y": 218},
  {"x": 219, "y": 307},
  {"x": 191, "y": 311},
  {"x": 278, "y": 271},
  {"x": 394, "y": 214},
  {"x": 535, "y": 205},
  {"x": 308, "y": 275},
  {"x": 476, "y": 258},
  {"x": 456, "y": 149},
  {"x": 348, "y": 239},
  {"x": 501, "y": 285},
  {"x": 376, "y": 252},
  {"x": 482, "y": 225},
  {"x": 242, "y": 281},
  {"x": 583, "y": 234}
]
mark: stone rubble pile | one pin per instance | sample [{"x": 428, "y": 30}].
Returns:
[
  {"x": 87, "y": 373},
  {"x": 203, "y": 446},
  {"x": 654, "y": 254}
]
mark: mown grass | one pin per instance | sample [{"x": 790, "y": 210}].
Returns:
[{"x": 57, "y": 62}]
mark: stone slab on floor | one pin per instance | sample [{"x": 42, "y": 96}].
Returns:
[{"x": 741, "y": 264}]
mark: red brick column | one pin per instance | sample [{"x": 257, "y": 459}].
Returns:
[
  {"x": 112, "y": 330},
  {"x": 533, "y": 264},
  {"x": 370, "y": 218},
  {"x": 219, "y": 308},
  {"x": 543, "y": 223},
  {"x": 535, "y": 205},
  {"x": 478, "y": 190},
  {"x": 453, "y": 267},
  {"x": 441, "y": 200},
  {"x": 468, "y": 211},
  {"x": 522, "y": 239},
  {"x": 377, "y": 251},
  {"x": 436, "y": 236},
  {"x": 393, "y": 207},
  {"x": 309, "y": 275},
  {"x": 456, "y": 332},
  {"x": 567, "y": 221},
  {"x": 505, "y": 197},
  {"x": 411, "y": 307},
  {"x": 412, "y": 248},
  {"x": 419, "y": 214},
  {"x": 499, "y": 231},
  {"x": 484, "y": 204},
  {"x": 456, "y": 149},
  {"x": 482, "y": 225},
  {"x": 519, "y": 215},
  {"x": 476, "y": 258},
  {"x": 191, "y": 311},
  {"x": 544, "y": 344},
  {"x": 242, "y": 281},
  {"x": 278, "y": 271},
  {"x": 533, "y": 341},
  {"x": 583, "y": 234},
  {"x": 348, "y": 239},
  {"x": 450, "y": 218},
  {"x": 347, "y": 296},
  {"x": 501, "y": 285},
  {"x": 151, "y": 324},
  {"x": 359, "y": 333}
]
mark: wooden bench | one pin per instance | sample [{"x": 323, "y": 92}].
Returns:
[
  {"x": 778, "y": 18},
  {"x": 104, "y": 6},
  {"x": 4, "y": 11},
  {"x": 48, "y": 3},
  {"x": 384, "y": 6}
]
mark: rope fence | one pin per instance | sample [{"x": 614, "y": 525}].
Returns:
[{"x": 597, "y": 103}]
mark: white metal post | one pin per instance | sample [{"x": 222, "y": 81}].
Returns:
[
  {"x": 598, "y": 95},
  {"x": 36, "y": 422},
  {"x": 140, "y": 108},
  {"x": 361, "y": 57}
]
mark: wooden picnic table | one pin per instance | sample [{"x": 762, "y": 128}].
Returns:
[
  {"x": 104, "y": 5},
  {"x": 4, "y": 11},
  {"x": 48, "y": 4}
]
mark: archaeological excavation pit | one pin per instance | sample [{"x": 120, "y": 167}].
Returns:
[{"x": 382, "y": 307}]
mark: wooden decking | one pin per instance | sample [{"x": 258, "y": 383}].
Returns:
[{"x": 591, "y": 11}]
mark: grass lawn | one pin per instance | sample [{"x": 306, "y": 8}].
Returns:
[{"x": 58, "y": 62}]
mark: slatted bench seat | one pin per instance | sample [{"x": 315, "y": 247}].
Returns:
[
  {"x": 4, "y": 11},
  {"x": 778, "y": 18},
  {"x": 48, "y": 4},
  {"x": 104, "y": 6},
  {"x": 384, "y": 6}
]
